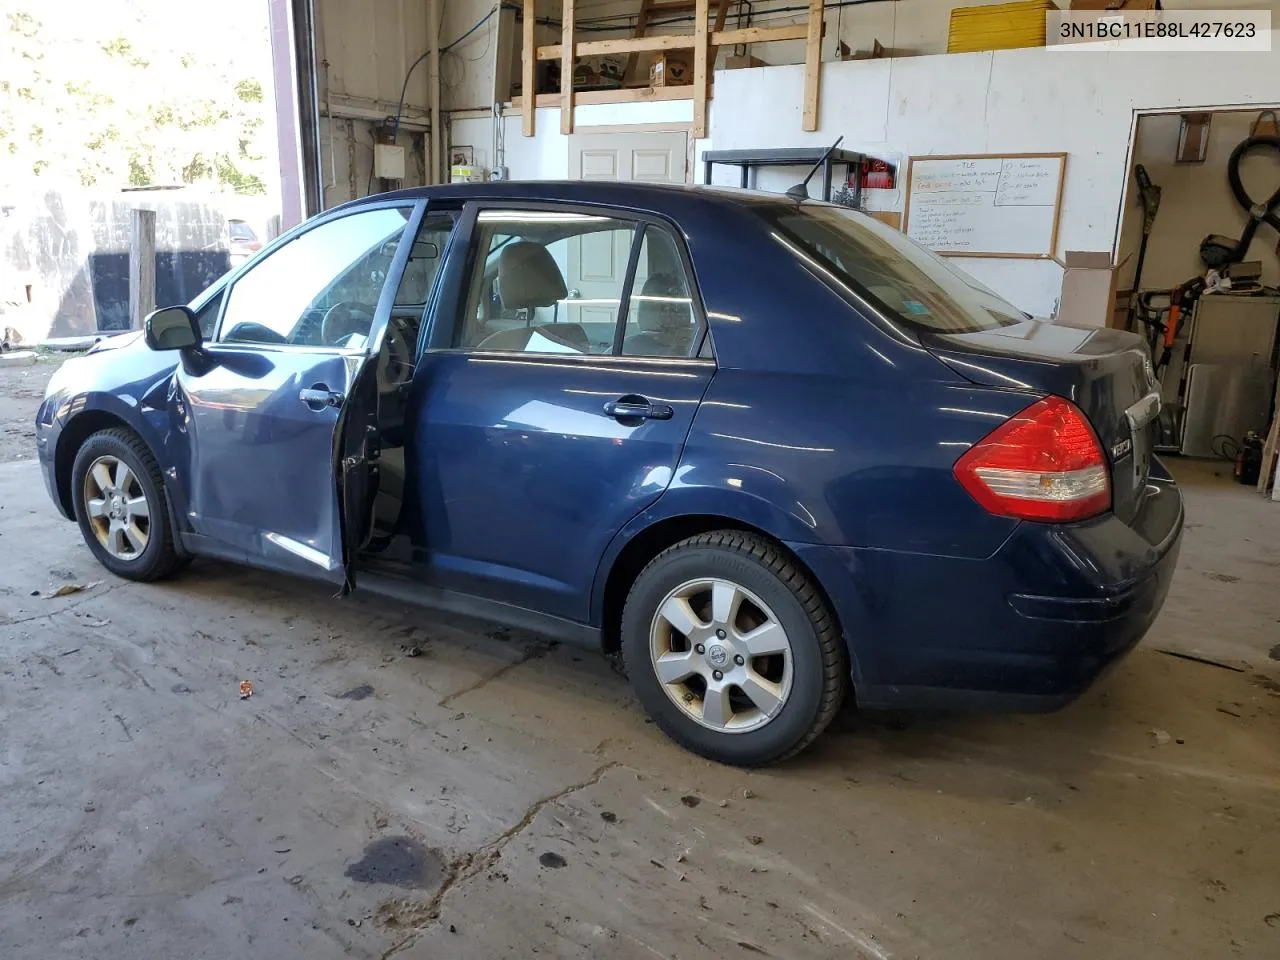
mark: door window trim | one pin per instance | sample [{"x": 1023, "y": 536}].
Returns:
[
  {"x": 382, "y": 312},
  {"x": 439, "y": 338}
]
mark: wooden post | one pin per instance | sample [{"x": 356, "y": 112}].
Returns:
[
  {"x": 812, "y": 66},
  {"x": 528, "y": 64},
  {"x": 142, "y": 266},
  {"x": 701, "y": 11},
  {"x": 566, "y": 70}
]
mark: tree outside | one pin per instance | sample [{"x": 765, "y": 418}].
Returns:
[{"x": 136, "y": 93}]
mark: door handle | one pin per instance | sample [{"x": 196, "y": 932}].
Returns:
[
  {"x": 637, "y": 408},
  {"x": 319, "y": 397}
]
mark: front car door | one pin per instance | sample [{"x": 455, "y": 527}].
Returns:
[
  {"x": 545, "y": 422},
  {"x": 264, "y": 402}
]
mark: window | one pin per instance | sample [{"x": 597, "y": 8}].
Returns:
[
  {"x": 544, "y": 282},
  {"x": 425, "y": 258},
  {"x": 902, "y": 278},
  {"x": 207, "y": 317},
  {"x": 660, "y": 319},
  {"x": 321, "y": 289}
]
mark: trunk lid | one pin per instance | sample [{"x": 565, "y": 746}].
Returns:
[{"x": 1106, "y": 373}]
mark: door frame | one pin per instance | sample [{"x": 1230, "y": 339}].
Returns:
[{"x": 685, "y": 128}]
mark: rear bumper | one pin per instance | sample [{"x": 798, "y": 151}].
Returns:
[{"x": 1029, "y": 628}]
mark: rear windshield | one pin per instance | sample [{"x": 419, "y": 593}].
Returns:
[{"x": 898, "y": 276}]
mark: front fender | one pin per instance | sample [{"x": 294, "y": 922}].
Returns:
[{"x": 66, "y": 419}]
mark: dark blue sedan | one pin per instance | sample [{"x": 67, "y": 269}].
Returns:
[{"x": 772, "y": 451}]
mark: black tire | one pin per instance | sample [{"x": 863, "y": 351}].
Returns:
[
  {"x": 159, "y": 558},
  {"x": 819, "y": 658}
]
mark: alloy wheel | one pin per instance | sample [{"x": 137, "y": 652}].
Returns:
[
  {"x": 721, "y": 655},
  {"x": 117, "y": 507}
]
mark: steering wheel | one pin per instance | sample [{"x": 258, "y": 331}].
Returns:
[{"x": 340, "y": 321}]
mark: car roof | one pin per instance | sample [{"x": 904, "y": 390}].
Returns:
[{"x": 669, "y": 199}]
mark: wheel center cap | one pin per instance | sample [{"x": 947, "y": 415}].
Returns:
[{"x": 717, "y": 655}]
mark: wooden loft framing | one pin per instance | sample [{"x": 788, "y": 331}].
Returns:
[{"x": 702, "y": 41}]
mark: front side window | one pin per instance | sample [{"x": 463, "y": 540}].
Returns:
[
  {"x": 545, "y": 282},
  {"x": 320, "y": 289},
  {"x": 425, "y": 257},
  {"x": 207, "y": 316},
  {"x": 900, "y": 277}
]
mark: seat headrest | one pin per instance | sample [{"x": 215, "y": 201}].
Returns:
[
  {"x": 662, "y": 316},
  {"x": 528, "y": 276}
]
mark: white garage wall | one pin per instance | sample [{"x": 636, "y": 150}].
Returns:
[
  {"x": 1011, "y": 101},
  {"x": 912, "y": 27},
  {"x": 545, "y": 156}
]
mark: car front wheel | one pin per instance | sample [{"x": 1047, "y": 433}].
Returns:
[
  {"x": 731, "y": 649},
  {"x": 119, "y": 500}
]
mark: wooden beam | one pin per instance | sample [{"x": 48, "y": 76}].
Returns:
[
  {"x": 722, "y": 11},
  {"x": 620, "y": 45},
  {"x": 566, "y": 69},
  {"x": 142, "y": 266},
  {"x": 642, "y": 24},
  {"x": 626, "y": 95},
  {"x": 731, "y": 38},
  {"x": 812, "y": 66},
  {"x": 701, "y": 12},
  {"x": 527, "y": 65}
]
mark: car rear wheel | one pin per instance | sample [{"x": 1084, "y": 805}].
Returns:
[
  {"x": 119, "y": 501},
  {"x": 731, "y": 649}
]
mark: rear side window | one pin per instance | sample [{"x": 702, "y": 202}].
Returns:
[
  {"x": 558, "y": 283},
  {"x": 545, "y": 282},
  {"x": 898, "y": 276},
  {"x": 660, "y": 318}
]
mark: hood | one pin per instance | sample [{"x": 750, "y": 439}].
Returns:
[{"x": 117, "y": 341}]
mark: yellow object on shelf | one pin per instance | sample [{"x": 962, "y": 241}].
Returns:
[{"x": 998, "y": 26}]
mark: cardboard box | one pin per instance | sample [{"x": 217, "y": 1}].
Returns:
[
  {"x": 1120, "y": 310},
  {"x": 1088, "y": 289},
  {"x": 746, "y": 60},
  {"x": 670, "y": 70}
]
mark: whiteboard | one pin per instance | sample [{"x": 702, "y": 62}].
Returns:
[{"x": 985, "y": 206}]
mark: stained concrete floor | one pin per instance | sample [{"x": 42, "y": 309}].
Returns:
[{"x": 499, "y": 796}]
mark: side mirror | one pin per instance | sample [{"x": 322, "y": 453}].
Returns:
[{"x": 172, "y": 328}]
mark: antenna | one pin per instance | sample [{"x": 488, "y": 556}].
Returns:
[{"x": 801, "y": 190}]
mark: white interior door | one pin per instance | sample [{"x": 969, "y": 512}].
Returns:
[{"x": 652, "y": 156}]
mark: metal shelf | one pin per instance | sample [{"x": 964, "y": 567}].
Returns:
[{"x": 748, "y": 160}]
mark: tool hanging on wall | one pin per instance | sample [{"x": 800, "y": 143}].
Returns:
[
  {"x": 1218, "y": 251},
  {"x": 1149, "y": 197}
]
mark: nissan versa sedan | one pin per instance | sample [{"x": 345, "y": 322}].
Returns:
[{"x": 770, "y": 450}]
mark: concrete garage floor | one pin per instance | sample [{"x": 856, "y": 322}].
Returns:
[{"x": 501, "y": 796}]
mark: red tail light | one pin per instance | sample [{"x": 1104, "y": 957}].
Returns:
[{"x": 1044, "y": 463}]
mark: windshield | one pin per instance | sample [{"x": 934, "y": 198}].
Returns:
[{"x": 896, "y": 275}]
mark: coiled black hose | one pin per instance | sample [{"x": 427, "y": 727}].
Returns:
[{"x": 1259, "y": 213}]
